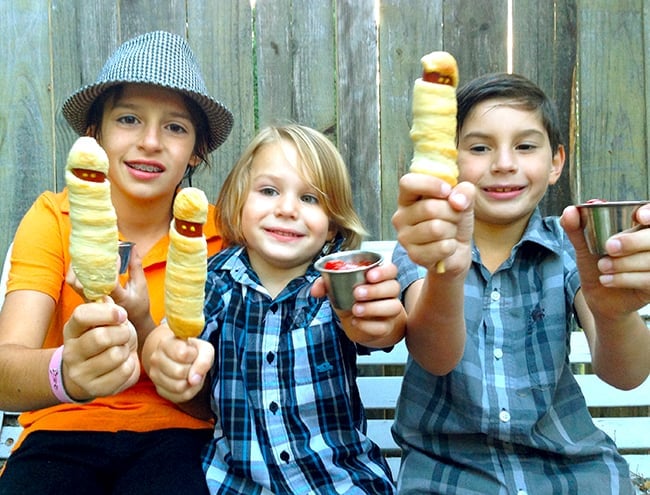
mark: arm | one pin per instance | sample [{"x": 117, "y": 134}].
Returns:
[
  {"x": 613, "y": 289},
  {"x": 178, "y": 368},
  {"x": 99, "y": 355},
  {"x": 435, "y": 222},
  {"x": 377, "y": 318}
]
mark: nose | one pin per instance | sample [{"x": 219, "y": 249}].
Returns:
[
  {"x": 150, "y": 138},
  {"x": 286, "y": 205},
  {"x": 504, "y": 161}
]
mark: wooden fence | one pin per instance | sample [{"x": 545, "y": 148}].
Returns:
[{"x": 343, "y": 66}]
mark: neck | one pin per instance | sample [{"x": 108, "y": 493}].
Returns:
[
  {"x": 143, "y": 222},
  {"x": 495, "y": 241}
]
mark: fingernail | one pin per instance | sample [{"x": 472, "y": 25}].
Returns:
[
  {"x": 613, "y": 246},
  {"x": 644, "y": 215},
  {"x": 122, "y": 314},
  {"x": 461, "y": 200}
]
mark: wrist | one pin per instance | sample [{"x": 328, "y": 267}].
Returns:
[{"x": 55, "y": 372}]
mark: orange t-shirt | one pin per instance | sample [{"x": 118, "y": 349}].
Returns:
[{"x": 39, "y": 261}]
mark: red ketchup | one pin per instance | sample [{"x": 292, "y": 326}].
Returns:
[{"x": 345, "y": 265}]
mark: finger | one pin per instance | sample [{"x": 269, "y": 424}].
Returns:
[
  {"x": 414, "y": 186},
  {"x": 92, "y": 315},
  {"x": 643, "y": 215},
  {"x": 386, "y": 271},
  {"x": 377, "y": 309},
  {"x": 318, "y": 288},
  {"x": 72, "y": 280},
  {"x": 203, "y": 362}
]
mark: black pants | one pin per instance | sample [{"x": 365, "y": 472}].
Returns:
[{"x": 158, "y": 462}]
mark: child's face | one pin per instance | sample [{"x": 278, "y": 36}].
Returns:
[
  {"x": 505, "y": 151},
  {"x": 149, "y": 139},
  {"x": 283, "y": 223}
]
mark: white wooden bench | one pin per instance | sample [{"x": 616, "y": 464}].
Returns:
[{"x": 381, "y": 378}]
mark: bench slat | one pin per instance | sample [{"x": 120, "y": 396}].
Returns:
[
  {"x": 628, "y": 433},
  {"x": 579, "y": 353},
  {"x": 381, "y": 392}
]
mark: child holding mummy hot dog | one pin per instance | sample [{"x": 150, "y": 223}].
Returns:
[
  {"x": 94, "y": 423},
  {"x": 282, "y": 385},
  {"x": 489, "y": 337}
]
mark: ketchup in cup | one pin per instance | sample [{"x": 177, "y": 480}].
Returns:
[
  {"x": 343, "y": 271},
  {"x": 346, "y": 265}
]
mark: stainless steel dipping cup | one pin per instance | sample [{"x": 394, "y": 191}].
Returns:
[
  {"x": 125, "y": 254},
  {"x": 341, "y": 281},
  {"x": 601, "y": 220}
]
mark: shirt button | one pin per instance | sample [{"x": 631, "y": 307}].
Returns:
[
  {"x": 284, "y": 455},
  {"x": 270, "y": 357},
  {"x": 273, "y": 407},
  {"x": 495, "y": 296},
  {"x": 498, "y": 353},
  {"x": 504, "y": 416}
]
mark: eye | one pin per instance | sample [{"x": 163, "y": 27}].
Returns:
[
  {"x": 127, "y": 119},
  {"x": 267, "y": 191},
  {"x": 177, "y": 128},
  {"x": 526, "y": 147},
  {"x": 309, "y": 199},
  {"x": 479, "y": 148}
]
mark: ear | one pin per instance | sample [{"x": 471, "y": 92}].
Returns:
[
  {"x": 557, "y": 165},
  {"x": 194, "y": 160},
  {"x": 91, "y": 131}
]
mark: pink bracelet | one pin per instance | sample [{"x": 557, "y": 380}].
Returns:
[{"x": 56, "y": 377}]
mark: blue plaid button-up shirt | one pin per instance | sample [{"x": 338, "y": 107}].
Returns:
[
  {"x": 288, "y": 414},
  {"x": 510, "y": 418}
]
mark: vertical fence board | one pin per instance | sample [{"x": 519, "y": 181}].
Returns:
[
  {"x": 476, "y": 33},
  {"x": 544, "y": 38},
  {"x": 83, "y": 35},
  {"x": 220, "y": 34},
  {"x": 612, "y": 101},
  {"x": 140, "y": 16},
  {"x": 404, "y": 38},
  {"x": 358, "y": 105},
  {"x": 26, "y": 120}
]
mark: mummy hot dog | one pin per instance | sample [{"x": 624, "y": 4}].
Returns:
[
  {"x": 187, "y": 264},
  {"x": 433, "y": 131},
  {"x": 94, "y": 237}
]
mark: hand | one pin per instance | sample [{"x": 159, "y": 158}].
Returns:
[
  {"x": 134, "y": 296},
  {"x": 435, "y": 222},
  {"x": 100, "y": 351},
  {"x": 178, "y": 367},
  {"x": 620, "y": 281},
  {"x": 377, "y": 318}
]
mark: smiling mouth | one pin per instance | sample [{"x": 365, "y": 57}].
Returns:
[
  {"x": 145, "y": 168},
  {"x": 284, "y": 233},
  {"x": 503, "y": 189}
]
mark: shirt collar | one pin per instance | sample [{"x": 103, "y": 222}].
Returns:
[{"x": 542, "y": 231}]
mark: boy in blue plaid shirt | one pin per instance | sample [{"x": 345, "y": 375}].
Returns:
[
  {"x": 288, "y": 417},
  {"x": 502, "y": 412}
]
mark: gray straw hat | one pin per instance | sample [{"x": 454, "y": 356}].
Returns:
[{"x": 159, "y": 58}]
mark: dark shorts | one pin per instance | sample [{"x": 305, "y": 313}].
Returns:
[{"x": 70, "y": 463}]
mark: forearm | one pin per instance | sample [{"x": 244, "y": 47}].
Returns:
[
  {"x": 620, "y": 351},
  {"x": 24, "y": 382},
  {"x": 435, "y": 332}
]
